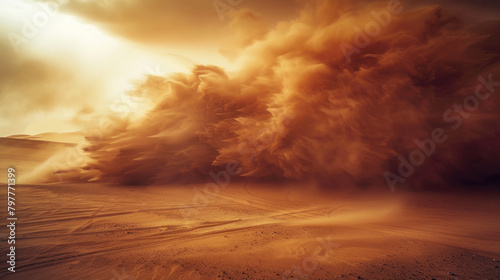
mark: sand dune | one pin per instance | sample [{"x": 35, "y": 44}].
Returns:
[
  {"x": 68, "y": 137},
  {"x": 28, "y": 156},
  {"x": 247, "y": 231}
]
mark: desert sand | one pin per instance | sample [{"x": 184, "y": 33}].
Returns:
[
  {"x": 252, "y": 231},
  {"x": 310, "y": 106},
  {"x": 246, "y": 230}
]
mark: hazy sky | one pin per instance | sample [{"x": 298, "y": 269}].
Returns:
[
  {"x": 81, "y": 56},
  {"x": 65, "y": 63},
  {"x": 284, "y": 98}
]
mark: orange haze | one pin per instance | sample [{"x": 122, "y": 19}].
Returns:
[{"x": 316, "y": 99}]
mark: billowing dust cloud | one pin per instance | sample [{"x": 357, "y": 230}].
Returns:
[{"x": 330, "y": 96}]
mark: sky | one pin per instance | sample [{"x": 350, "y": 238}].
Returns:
[
  {"x": 65, "y": 62},
  {"x": 288, "y": 89}
]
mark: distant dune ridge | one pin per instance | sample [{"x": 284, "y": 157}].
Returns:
[{"x": 304, "y": 107}]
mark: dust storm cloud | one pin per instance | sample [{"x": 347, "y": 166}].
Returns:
[{"x": 336, "y": 94}]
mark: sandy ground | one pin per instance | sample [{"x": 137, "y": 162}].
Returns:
[
  {"x": 242, "y": 231},
  {"x": 249, "y": 231}
]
